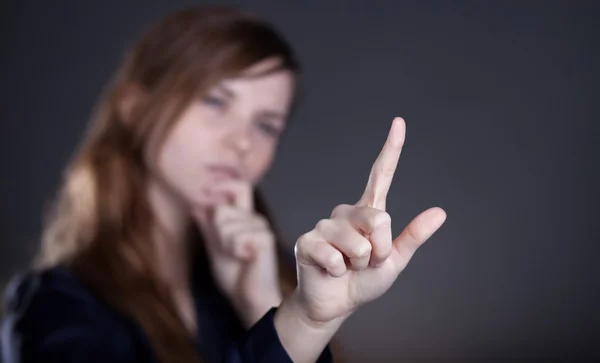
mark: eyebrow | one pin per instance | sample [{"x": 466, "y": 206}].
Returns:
[
  {"x": 274, "y": 115},
  {"x": 229, "y": 93}
]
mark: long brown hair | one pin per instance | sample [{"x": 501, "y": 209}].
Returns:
[{"x": 99, "y": 224}]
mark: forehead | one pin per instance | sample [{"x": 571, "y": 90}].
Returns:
[{"x": 273, "y": 90}]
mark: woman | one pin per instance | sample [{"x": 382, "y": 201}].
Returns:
[{"x": 160, "y": 248}]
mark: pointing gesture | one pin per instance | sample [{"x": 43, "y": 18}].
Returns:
[
  {"x": 351, "y": 258},
  {"x": 384, "y": 168}
]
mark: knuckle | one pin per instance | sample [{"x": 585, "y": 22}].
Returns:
[
  {"x": 262, "y": 219},
  {"x": 302, "y": 242},
  {"x": 381, "y": 219},
  {"x": 413, "y": 234},
  {"x": 322, "y": 224},
  {"x": 268, "y": 238},
  {"x": 334, "y": 259},
  {"x": 362, "y": 249},
  {"x": 301, "y": 248},
  {"x": 373, "y": 218},
  {"x": 340, "y": 209}
]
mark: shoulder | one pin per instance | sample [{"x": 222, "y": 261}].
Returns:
[{"x": 52, "y": 314}]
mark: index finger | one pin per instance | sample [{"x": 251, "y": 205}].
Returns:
[
  {"x": 384, "y": 167},
  {"x": 240, "y": 193}
]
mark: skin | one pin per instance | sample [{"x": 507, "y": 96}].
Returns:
[
  {"x": 330, "y": 287},
  {"x": 346, "y": 261},
  {"x": 238, "y": 124}
]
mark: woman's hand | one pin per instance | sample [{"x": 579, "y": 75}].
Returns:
[
  {"x": 351, "y": 258},
  {"x": 242, "y": 252}
]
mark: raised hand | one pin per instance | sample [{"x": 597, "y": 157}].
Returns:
[
  {"x": 242, "y": 251},
  {"x": 351, "y": 258}
]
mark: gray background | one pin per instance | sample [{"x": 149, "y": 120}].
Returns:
[{"x": 499, "y": 103}]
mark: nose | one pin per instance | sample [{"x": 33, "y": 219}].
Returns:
[{"x": 239, "y": 139}]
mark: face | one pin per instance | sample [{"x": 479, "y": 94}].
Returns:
[{"x": 231, "y": 133}]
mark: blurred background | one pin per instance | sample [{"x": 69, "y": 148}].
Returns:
[{"x": 499, "y": 98}]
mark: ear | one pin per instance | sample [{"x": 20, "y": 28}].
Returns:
[{"x": 130, "y": 98}]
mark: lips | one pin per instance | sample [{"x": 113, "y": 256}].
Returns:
[{"x": 224, "y": 172}]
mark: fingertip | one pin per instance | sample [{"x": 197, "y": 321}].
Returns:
[
  {"x": 336, "y": 267},
  {"x": 383, "y": 220},
  {"x": 335, "y": 259},
  {"x": 399, "y": 122},
  {"x": 429, "y": 222},
  {"x": 381, "y": 239},
  {"x": 439, "y": 216},
  {"x": 377, "y": 261},
  {"x": 397, "y": 132},
  {"x": 337, "y": 271},
  {"x": 363, "y": 250}
]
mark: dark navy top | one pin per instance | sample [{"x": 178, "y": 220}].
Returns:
[{"x": 51, "y": 316}]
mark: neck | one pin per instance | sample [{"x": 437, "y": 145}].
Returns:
[
  {"x": 170, "y": 236},
  {"x": 173, "y": 249}
]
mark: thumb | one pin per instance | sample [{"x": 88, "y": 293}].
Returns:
[{"x": 419, "y": 230}]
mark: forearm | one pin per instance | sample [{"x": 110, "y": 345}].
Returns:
[{"x": 304, "y": 340}]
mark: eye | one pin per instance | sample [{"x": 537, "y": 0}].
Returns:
[
  {"x": 269, "y": 129},
  {"x": 214, "y": 101}
]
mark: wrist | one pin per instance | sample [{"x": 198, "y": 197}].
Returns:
[
  {"x": 250, "y": 311},
  {"x": 303, "y": 338}
]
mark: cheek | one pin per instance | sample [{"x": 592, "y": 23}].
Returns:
[
  {"x": 259, "y": 164},
  {"x": 179, "y": 162},
  {"x": 174, "y": 161}
]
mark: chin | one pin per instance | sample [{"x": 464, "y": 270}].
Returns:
[{"x": 206, "y": 199}]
